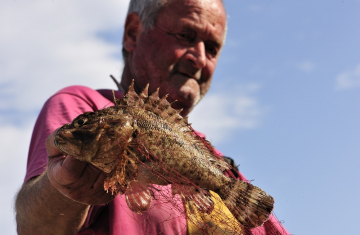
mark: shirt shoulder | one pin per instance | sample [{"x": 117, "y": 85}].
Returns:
[
  {"x": 59, "y": 109},
  {"x": 82, "y": 95}
]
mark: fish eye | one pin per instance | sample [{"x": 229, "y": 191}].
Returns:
[{"x": 80, "y": 122}]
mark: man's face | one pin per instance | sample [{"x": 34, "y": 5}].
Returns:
[{"x": 180, "y": 53}]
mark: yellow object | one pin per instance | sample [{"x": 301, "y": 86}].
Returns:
[{"x": 219, "y": 221}]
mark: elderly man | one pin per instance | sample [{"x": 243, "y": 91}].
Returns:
[{"x": 170, "y": 44}]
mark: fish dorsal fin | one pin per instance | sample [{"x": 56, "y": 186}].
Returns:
[
  {"x": 130, "y": 98},
  {"x": 144, "y": 95},
  {"x": 116, "y": 101},
  {"x": 162, "y": 107},
  {"x": 153, "y": 103}
]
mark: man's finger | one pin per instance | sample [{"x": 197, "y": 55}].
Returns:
[
  {"x": 99, "y": 182},
  {"x": 74, "y": 166}
]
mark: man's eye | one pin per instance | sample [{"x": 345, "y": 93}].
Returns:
[
  {"x": 190, "y": 37},
  {"x": 212, "y": 50}
]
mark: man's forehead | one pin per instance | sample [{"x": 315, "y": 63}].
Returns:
[
  {"x": 197, "y": 2},
  {"x": 200, "y": 7},
  {"x": 203, "y": 16}
]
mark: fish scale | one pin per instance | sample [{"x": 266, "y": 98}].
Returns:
[{"x": 143, "y": 141}]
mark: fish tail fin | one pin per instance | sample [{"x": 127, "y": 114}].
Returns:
[{"x": 250, "y": 205}]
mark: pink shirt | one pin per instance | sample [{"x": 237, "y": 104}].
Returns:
[{"x": 164, "y": 217}]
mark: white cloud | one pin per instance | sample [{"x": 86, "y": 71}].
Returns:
[
  {"x": 46, "y": 45},
  {"x": 14, "y": 147},
  {"x": 220, "y": 115},
  {"x": 306, "y": 66},
  {"x": 348, "y": 79}
]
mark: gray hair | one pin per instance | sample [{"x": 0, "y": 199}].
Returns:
[{"x": 147, "y": 11}]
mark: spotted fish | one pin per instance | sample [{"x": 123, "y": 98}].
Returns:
[{"x": 142, "y": 141}]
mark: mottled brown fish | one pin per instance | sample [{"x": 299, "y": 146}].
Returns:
[{"x": 142, "y": 141}]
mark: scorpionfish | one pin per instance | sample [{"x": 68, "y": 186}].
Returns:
[{"x": 142, "y": 141}]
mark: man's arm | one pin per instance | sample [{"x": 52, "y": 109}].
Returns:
[
  {"x": 42, "y": 209},
  {"x": 57, "y": 202}
]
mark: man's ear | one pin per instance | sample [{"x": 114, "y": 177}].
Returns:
[{"x": 132, "y": 30}]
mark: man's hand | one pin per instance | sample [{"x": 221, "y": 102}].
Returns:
[
  {"x": 79, "y": 181},
  {"x": 58, "y": 201}
]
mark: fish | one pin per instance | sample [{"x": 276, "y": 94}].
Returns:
[{"x": 142, "y": 141}]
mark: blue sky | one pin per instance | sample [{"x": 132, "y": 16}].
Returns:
[{"x": 282, "y": 104}]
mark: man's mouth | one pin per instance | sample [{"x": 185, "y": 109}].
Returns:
[
  {"x": 196, "y": 76},
  {"x": 186, "y": 75}
]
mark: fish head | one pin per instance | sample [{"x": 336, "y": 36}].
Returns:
[{"x": 95, "y": 135}]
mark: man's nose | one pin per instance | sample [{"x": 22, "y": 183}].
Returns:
[{"x": 197, "y": 54}]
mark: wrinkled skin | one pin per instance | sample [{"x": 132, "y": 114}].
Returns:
[
  {"x": 179, "y": 54},
  {"x": 142, "y": 141},
  {"x": 75, "y": 179}
]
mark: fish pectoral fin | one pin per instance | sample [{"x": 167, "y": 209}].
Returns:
[
  {"x": 198, "y": 197},
  {"x": 203, "y": 201},
  {"x": 115, "y": 181},
  {"x": 138, "y": 196},
  {"x": 124, "y": 171},
  {"x": 176, "y": 189}
]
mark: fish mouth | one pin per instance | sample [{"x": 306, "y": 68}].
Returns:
[
  {"x": 63, "y": 141},
  {"x": 58, "y": 139},
  {"x": 62, "y": 136}
]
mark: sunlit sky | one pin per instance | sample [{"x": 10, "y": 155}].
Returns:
[{"x": 283, "y": 102}]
